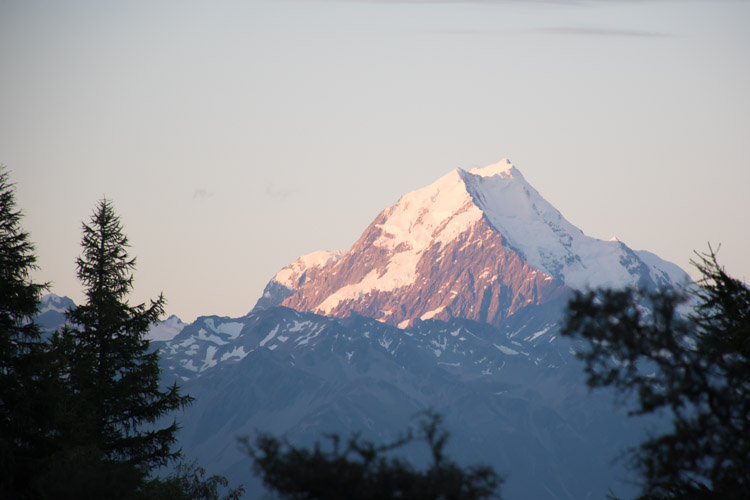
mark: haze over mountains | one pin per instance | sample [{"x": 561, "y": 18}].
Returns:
[{"x": 451, "y": 299}]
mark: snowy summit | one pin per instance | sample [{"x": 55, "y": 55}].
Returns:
[{"x": 438, "y": 251}]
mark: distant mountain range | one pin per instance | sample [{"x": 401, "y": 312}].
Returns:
[
  {"x": 452, "y": 300},
  {"x": 52, "y": 310}
]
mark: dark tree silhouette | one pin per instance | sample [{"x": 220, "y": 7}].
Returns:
[
  {"x": 24, "y": 421},
  {"x": 79, "y": 415},
  {"x": 109, "y": 437},
  {"x": 697, "y": 367},
  {"x": 361, "y": 470},
  {"x": 189, "y": 482}
]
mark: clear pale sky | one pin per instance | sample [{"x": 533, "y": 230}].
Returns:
[{"x": 234, "y": 137}]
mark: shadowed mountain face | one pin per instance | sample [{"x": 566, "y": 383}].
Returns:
[{"x": 450, "y": 300}]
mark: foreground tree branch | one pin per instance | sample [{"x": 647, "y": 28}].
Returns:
[
  {"x": 696, "y": 366},
  {"x": 362, "y": 470}
]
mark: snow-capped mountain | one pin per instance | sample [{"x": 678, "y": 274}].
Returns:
[
  {"x": 55, "y": 303},
  {"x": 480, "y": 244},
  {"x": 52, "y": 309},
  {"x": 166, "y": 329}
]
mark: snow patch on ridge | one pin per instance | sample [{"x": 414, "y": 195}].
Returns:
[
  {"x": 292, "y": 272},
  {"x": 538, "y": 334},
  {"x": 432, "y": 314},
  {"x": 502, "y": 168},
  {"x": 203, "y": 335},
  {"x": 506, "y": 350},
  {"x": 209, "y": 361},
  {"x": 231, "y": 329},
  {"x": 270, "y": 336},
  {"x": 238, "y": 352}
]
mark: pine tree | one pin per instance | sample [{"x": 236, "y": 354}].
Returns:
[
  {"x": 109, "y": 429},
  {"x": 23, "y": 417}
]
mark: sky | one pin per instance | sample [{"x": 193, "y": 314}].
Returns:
[{"x": 235, "y": 136}]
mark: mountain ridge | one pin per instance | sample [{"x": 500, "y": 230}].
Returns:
[{"x": 53, "y": 309}]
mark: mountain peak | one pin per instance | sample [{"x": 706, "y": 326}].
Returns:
[
  {"x": 480, "y": 245},
  {"x": 503, "y": 168},
  {"x": 56, "y": 303}
]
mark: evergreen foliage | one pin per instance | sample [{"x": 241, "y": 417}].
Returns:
[
  {"x": 114, "y": 400},
  {"x": 23, "y": 420},
  {"x": 363, "y": 471},
  {"x": 79, "y": 414},
  {"x": 696, "y": 367}
]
